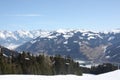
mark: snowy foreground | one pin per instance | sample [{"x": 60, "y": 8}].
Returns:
[{"x": 114, "y": 75}]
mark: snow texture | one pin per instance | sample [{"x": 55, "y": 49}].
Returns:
[{"x": 114, "y": 75}]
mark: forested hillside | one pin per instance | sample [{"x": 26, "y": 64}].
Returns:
[{"x": 26, "y": 63}]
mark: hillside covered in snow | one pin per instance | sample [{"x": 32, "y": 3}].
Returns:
[{"x": 114, "y": 75}]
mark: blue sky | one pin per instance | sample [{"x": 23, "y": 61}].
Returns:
[{"x": 97, "y": 15}]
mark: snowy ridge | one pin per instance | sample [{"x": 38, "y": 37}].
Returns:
[
  {"x": 17, "y": 38},
  {"x": 114, "y": 75},
  {"x": 36, "y": 33}
]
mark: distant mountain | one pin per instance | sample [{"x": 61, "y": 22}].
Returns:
[
  {"x": 79, "y": 44},
  {"x": 14, "y": 39},
  {"x": 86, "y": 45}
]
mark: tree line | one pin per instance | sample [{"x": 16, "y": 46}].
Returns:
[{"x": 25, "y": 63}]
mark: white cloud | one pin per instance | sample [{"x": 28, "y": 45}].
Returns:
[
  {"x": 29, "y": 15},
  {"x": 24, "y": 15}
]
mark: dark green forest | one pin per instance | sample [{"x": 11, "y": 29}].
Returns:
[{"x": 25, "y": 63}]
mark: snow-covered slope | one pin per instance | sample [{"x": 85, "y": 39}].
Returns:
[{"x": 114, "y": 75}]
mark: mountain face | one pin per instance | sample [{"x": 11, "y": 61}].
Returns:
[
  {"x": 79, "y": 44},
  {"x": 112, "y": 53}
]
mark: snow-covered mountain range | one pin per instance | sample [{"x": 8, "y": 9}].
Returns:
[
  {"x": 13, "y": 39},
  {"x": 76, "y": 43}
]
